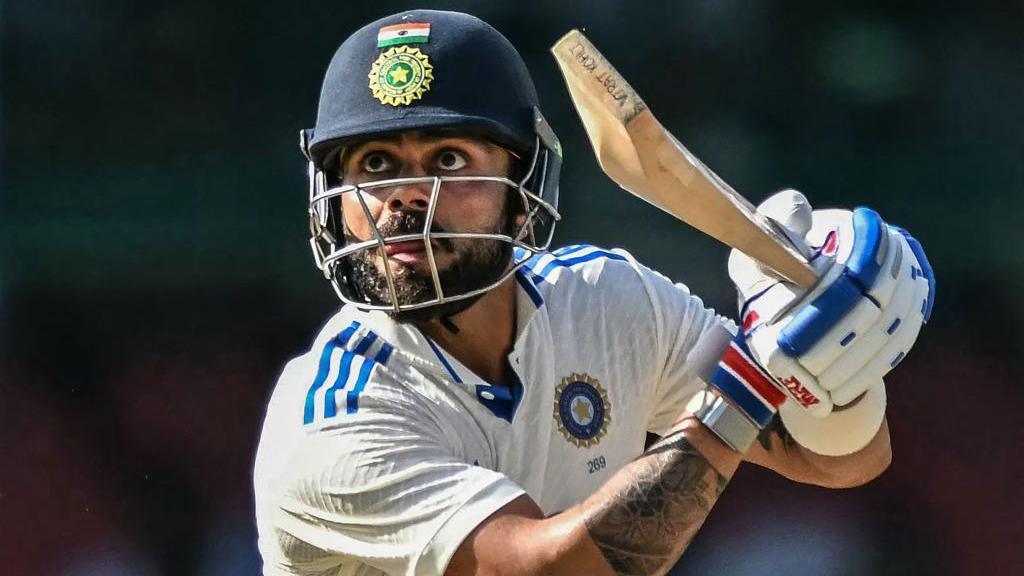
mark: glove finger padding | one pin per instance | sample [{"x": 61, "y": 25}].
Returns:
[
  {"x": 895, "y": 349},
  {"x": 828, "y": 346},
  {"x": 861, "y": 322},
  {"x": 901, "y": 316},
  {"x": 823, "y": 355},
  {"x": 795, "y": 333},
  {"x": 858, "y": 260}
]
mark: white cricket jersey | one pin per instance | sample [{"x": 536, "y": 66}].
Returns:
[{"x": 380, "y": 452}]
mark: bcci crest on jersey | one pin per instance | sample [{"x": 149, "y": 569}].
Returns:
[{"x": 582, "y": 410}]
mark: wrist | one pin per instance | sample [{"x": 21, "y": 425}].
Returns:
[
  {"x": 742, "y": 399},
  {"x": 727, "y": 422}
]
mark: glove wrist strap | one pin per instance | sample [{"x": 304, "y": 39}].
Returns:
[{"x": 727, "y": 422}]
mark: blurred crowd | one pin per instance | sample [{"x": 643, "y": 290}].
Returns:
[{"x": 127, "y": 446}]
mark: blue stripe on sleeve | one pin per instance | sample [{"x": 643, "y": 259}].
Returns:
[
  {"x": 532, "y": 260},
  {"x": 330, "y": 397},
  {"x": 572, "y": 249},
  {"x": 559, "y": 263},
  {"x": 384, "y": 354},
  {"x": 324, "y": 368},
  {"x": 330, "y": 406},
  {"x": 365, "y": 343},
  {"x": 352, "y": 401},
  {"x": 321, "y": 375},
  {"x": 594, "y": 255}
]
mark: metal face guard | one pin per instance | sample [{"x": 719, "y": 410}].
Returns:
[{"x": 332, "y": 252}]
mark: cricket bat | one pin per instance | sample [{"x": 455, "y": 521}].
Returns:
[{"x": 642, "y": 157}]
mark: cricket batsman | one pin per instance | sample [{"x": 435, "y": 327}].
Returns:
[{"x": 483, "y": 404}]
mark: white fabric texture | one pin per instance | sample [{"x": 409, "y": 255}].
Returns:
[{"x": 394, "y": 486}]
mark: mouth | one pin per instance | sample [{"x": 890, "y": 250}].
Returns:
[{"x": 410, "y": 252}]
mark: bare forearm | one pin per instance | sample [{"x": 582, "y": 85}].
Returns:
[
  {"x": 638, "y": 522},
  {"x": 644, "y": 517},
  {"x": 777, "y": 450}
]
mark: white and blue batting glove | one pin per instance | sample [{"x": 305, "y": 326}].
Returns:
[
  {"x": 742, "y": 399},
  {"x": 827, "y": 346}
]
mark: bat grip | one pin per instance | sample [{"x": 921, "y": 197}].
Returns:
[{"x": 795, "y": 241}]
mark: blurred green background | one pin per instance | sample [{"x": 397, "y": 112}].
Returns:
[{"x": 155, "y": 274}]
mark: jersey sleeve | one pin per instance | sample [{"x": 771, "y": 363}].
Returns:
[
  {"x": 690, "y": 339},
  {"x": 382, "y": 488}
]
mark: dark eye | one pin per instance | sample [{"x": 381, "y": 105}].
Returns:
[
  {"x": 451, "y": 160},
  {"x": 376, "y": 162}
]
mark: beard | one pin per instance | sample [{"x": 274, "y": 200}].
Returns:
[{"x": 477, "y": 263}]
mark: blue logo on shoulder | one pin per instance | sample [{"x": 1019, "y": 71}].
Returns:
[{"x": 582, "y": 410}]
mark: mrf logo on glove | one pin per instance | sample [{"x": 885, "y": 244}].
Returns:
[{"x": 798, "y": 392}]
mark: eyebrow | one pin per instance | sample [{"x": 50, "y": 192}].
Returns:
[{"x": 428, "y": 136}]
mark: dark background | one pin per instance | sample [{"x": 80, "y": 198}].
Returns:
[{"x": 155, "y": 275}]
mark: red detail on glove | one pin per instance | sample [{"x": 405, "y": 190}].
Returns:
[
  {"x": 831, "y": 244},
  {"x": 748, "y": 371},
  {"x": 749, "y": 320}
]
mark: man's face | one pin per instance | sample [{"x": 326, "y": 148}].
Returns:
[{"x": 463, "y": 264}]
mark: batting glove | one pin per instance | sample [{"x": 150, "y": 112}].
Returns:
[{"x": 827, "y": 346}]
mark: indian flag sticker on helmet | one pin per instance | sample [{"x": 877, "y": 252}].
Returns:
[
  {"x": 400, "y": 76},
  {"x": 408, "y": 33}
]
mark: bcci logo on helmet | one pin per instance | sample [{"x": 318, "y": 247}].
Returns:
[{"x": 400, "y": 76}]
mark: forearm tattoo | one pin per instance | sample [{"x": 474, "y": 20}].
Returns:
[{"x": 648, "y": 513}]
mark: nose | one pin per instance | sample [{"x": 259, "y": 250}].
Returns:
[{"x": 411, "y": 196}]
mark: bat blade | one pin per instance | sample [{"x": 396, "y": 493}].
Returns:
[{"x": 642, "y": 157}]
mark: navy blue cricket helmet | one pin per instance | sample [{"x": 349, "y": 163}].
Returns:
[{"x": 427, "y": 70}]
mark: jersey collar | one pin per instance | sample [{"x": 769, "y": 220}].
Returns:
[{"x": 418, "y": 349}]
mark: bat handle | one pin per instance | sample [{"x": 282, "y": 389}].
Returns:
[
  {"x": 797, "y": 243},
  {"x": 796, "y": 266}
]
